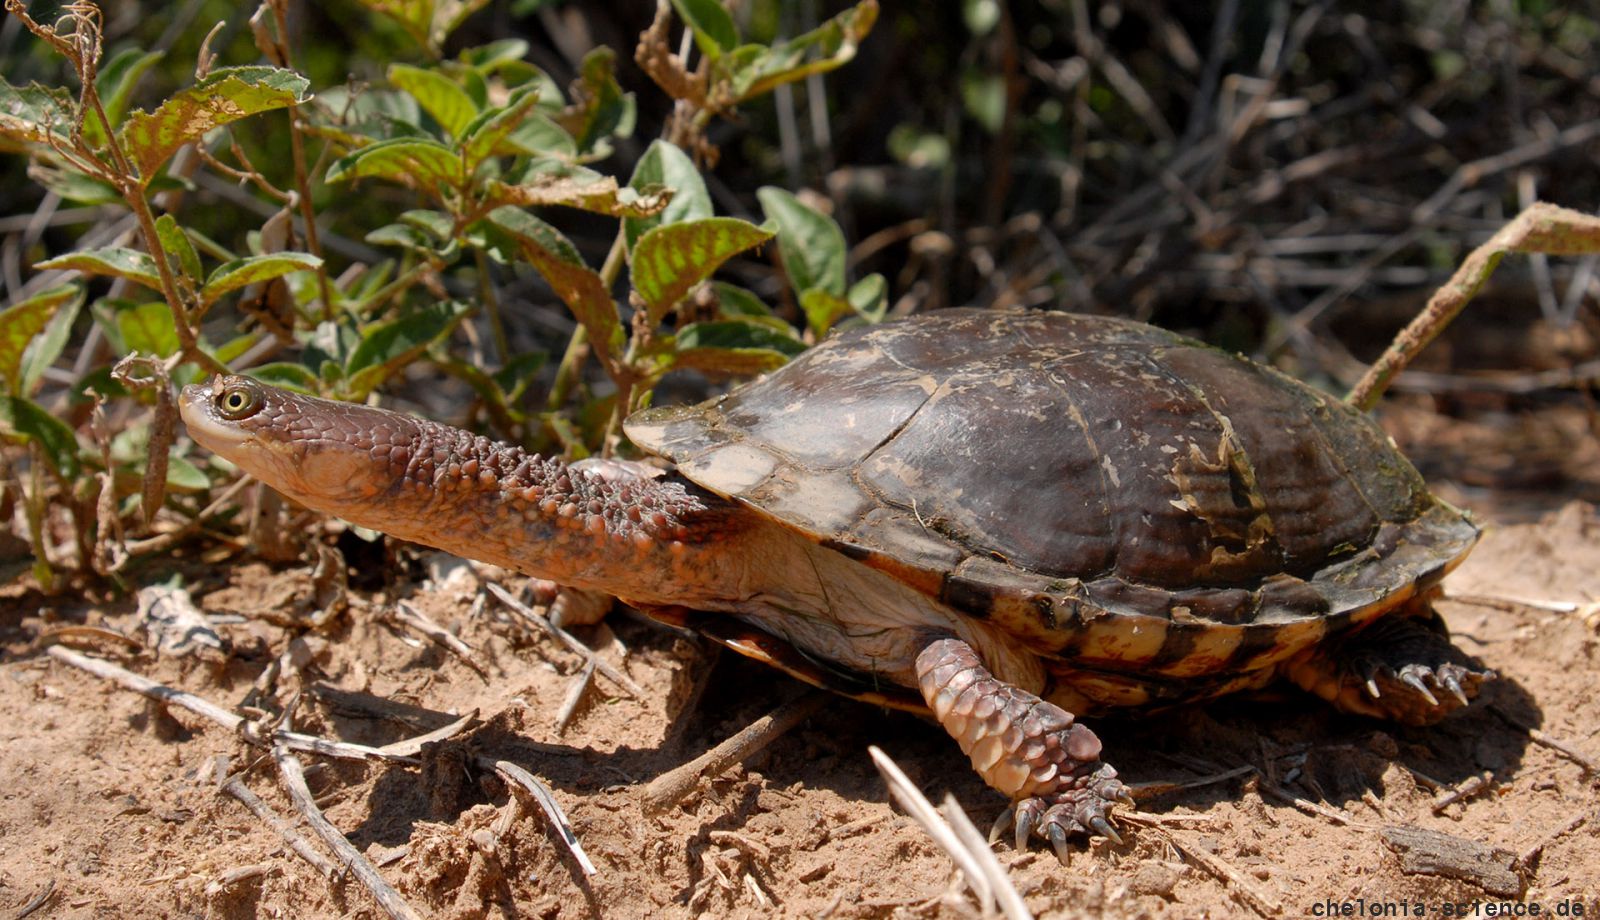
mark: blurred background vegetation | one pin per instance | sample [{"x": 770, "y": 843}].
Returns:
[{"x": 1289, "y": 179}]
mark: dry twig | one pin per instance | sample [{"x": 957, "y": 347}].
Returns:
[
  {"x": 588, "y": 654},
  {"x": 324, "y": 866},
  {"x": 1262, "y": 902},
  {"x": 408, "y": 615},
  {"x": 294, "y": 779},
  {"x": 669, "y": 788}
]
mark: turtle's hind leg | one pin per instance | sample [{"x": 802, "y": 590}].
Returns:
[
  {"x": 1028, "y": 748},
  {"x": 1401, "y": 667}
]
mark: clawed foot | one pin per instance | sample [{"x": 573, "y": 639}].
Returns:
[
  {"x": 1421, "y": 692},
  {"x": 1083, "y": 805}
]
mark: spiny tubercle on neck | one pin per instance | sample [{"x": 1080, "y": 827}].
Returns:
[{"x": 452, "y": 469}]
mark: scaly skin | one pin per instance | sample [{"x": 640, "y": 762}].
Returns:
[
  {"x": 1028, "y": 748},
  {"x": 647, "y": 540}
]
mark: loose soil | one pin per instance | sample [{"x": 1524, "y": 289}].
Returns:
[{"x": 109, "y": 804}]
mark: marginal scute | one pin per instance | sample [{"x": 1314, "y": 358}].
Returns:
[{"x": 1155, "y": 517}]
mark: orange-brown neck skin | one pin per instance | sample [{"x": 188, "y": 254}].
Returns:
[{"x": 647, "y": 540}]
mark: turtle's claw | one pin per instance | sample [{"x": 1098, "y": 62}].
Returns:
[
  {"x": 1411, "y": 676},
  {"x": 1058, "y": 842},
  {"x": 1103, "y": 827},
  {"x": 1451, "y": 680}
]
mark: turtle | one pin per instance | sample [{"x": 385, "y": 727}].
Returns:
[{"x": 1006, "y": 520}]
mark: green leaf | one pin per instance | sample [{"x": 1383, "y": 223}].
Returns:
[
  {"x": 491, "y": 57},
  {"x": 519, "y": 372},
  {"x": 386, "y": 347},
  {"x": 429, "y": 22},
  {"x": 438, "y": 95},
  {"x": 287, "y": 375},
  {"x": 735, "y": 301},
  {"x": 33, "y": 114},
  {"x": 176, "y": 243},
  {"x": 115, "y": 85},
  {"x": 755, "y": 71},
  {"x": 810, "y": 242},
  {"x": 578, "y": 285},
  {"x": 539, "y": 135},
  {"x": 672, "y": 259},
  {"x": 870, "y": 297},
  {"x": 403, "y": 235},
  {"x": 229, "y": 351},
  {"x": 183, "y": 476},
  {"x": 823, "y": 309},
  {"x": 437, "y": 224},
  {"x": 602, "y": 110},
  {"x": 148, "y": 328},
  {"x": 231, "y": 276},
  {"x": 27, "y": 419},
  {"x": 490, "y": 134},
  {"x": 410, "y": 161},
  {"x": 732, "y": 348},
  {"x": 72, "y": 185},
  {"x": 21, "y": 322},
  {"x": 116, "y": 261},
  {"x": 46, "y": 348},
  {"x": 713, "y": 28},
  {"x": 223, "y": 97},
  {"x": 665, "y": 164}
]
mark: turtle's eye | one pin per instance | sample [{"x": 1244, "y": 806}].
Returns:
[{"x": 238, "y": 402}]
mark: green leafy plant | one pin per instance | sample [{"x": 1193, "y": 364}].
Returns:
[{"x": 476, "y": 158}]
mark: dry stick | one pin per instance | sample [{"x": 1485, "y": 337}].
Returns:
[
  {"x": 669, "y": 788},
  {"x": 1262, "y": 902},
  {"x": 1562, "y": 747},
  {"x": 1151, "y": 790},
  {"x": 1335, "y": 815},
  {"x": 589, "y": 655},
  {"x": 294, "y": 779},
  {"x": 1532, "y": 853},
  {"x": 408, "y": 615},
  {"x": 343, "y": 750},
  {"x": 1541, "y": 228},
  {"x": 569, "y": 704},
  {"x": 518, "y": 778},
  {"x": 1468, "y": 788},
  {"x": 39, "y": 900},
  {"x": 302, "y": 848}
]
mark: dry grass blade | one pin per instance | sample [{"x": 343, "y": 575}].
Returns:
[
  {"x": 518, "y": 778},
  {"x": 1005, "y": 891},
  {"x": 294, "y": 779},
  {"x": 589, "y": 655},
  {"x": 412, "y": 746},
  {"x": 961, "y": 851}
]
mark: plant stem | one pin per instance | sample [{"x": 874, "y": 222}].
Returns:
[{"x": 302, "y": 179}]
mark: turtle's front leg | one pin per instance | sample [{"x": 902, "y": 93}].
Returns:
[{"x": 1028, "y": 748}]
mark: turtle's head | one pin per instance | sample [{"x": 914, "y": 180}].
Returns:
[{"x": 331, "y": 456}]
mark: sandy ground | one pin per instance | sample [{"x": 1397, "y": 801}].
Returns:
[{"x": 109, "y": 803}]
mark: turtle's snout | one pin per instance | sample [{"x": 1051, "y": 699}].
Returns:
[{"x": 213, "y": 410}]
